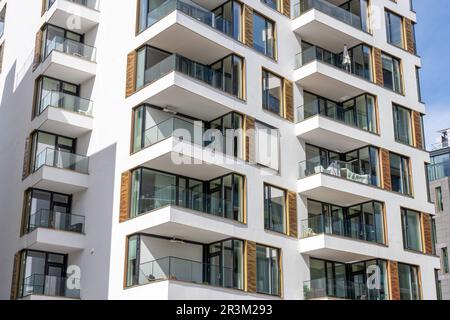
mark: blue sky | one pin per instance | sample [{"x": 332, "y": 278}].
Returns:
[{"x": 433, "y": 37}]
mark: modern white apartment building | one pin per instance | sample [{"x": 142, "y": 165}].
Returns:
[{"x": 119, "y": 182}]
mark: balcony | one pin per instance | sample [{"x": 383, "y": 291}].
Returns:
[
  {"x": 64, "y": 114},
  {"x": 60, "y": 12},
  {"x": 43, "y": 287},
  {"x": 59, "y": 171},
  {"x": 56, "y": 221},
  {"x": 438, "y": 170},
  {"x": 328, "y": 25},
  {"x": 322, "y": 72},
  {"x": 179, "y": 84},
  {"x": 67, "y": 59},
  {"x": 176, "y": 25},
  {"x": 325, "y": 289},
  {"x": 334, "y": 127}
]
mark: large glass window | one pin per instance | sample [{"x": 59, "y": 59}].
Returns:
[
  {"x": 274, "y": 209},
  {"x": 61, "y": 39},
  {"x": 392, "y": 75},
  {"x": 226, "y": 264},
  {"x": 57, "y": 93},
  {"x": 439, "y": 200},
  {"x": 267, "y": 146},
  {"x": 263, "y": 35},
  {"x": 132, "y": 260},
  {"x": 445, "y": 262},
  {"x": 228, "y": 19},
  {"x": 152, "y": 190},
  {"x": 394, "y": 29},
  {"x": 361, "y": 57},
  {"x": 274, "y": 4},
  {"x": 409, "y": 282},
  {"x": 268, "y": 273},
  {"x": 272, "y": 93},
  {"x": 402, "y": 125},
  {"x": 412, "y": 230},
  {"x": 400, "y": 174}
]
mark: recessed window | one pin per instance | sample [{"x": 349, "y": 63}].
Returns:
[
  {"x": 267, "y": 146},
  {"x": 400, "y": 174},
  {"x": 274, "y": 209},
  {"x": 394, "y": 29},
  {"x": 408, "y": 277},
  {"x": 392, "y": 73},
  {"x": 445, "y": 263},
  {"x": 268, "y": 273},
  {"x": 272, "y": 93},
  {"x": 439, "y": 202},
  {"x": 412, "y": 230},
  {"x": 274, "y": 4},
  {"x": 263, "y": 35},
  {"x": 402, "y": 125}
]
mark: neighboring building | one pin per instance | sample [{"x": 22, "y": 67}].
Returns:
[
  {"x": 439, "y": 173},
  {"x": 319, "y": 191}
]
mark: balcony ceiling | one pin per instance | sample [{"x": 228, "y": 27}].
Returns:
[{"x": 210, "y": 4}]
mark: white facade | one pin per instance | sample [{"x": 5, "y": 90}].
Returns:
[{"x": 105, "y": 139}]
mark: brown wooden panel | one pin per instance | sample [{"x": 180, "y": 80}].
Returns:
[
  {"x": 15, "y": 277},
  {"x": 251, "y": 266},
  {"x": 417, "y": 129},
  {"x": 378, "y": 66},
  {"x": 125, "y": 196},
  {"x": 248, "y": 26},
  {"x": 409, "y": 36},
  {"x": 286, "y": 8},
  {"x": 427, "y": 236},
  {"x": 289, "y": 100},
  {"x": 250, "y": 147},
  {"x": 43, "y": 7},
  {"x": 37, "y": 49},
  {"x": 131, "y": 74},
  {"x": 386, "y": 169},
  {"x": 292, "y": 212},
  {"x": 27, "y": 159},
  {"x": 394, "y": 284}
]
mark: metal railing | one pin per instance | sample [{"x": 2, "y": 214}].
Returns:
[
  {"x": 44, "y": 218},
  {"x": 192, "y": 69},
  {"x": 440, "y": 145},
  {"x": 322, "y": 224},
  {"x": 61, "y": 159},
  {"x": 340, "y": 289},
  {"x": 53, "y": 286},
  {"x": 71, "y": 47},
  {"x": 336, "y": 168},
  {"x": 330, "y": 9},
  {"x": 189, "y": 199},
  {"x": 172, "y": 268},
  {"x": 67, "y": 102}
]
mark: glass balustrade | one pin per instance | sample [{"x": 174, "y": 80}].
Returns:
[
  {"x": 67, "y": 102},
  {"x": 70, "y": 47},
  {"x": 56, "y": 220},
  {"x": 61, "y": 159},
  {"x": 39, "y": 284}
]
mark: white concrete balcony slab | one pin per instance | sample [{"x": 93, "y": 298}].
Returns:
[
  {"x": 58, "y": 175},
  {"x": 185, "y": 224},
  {"x": 335, "y": 135},
  {"x": 52, "y": 240},
  {"x": 77, "y": 15},
  {"x": 38, "y": 297},
  {"x": 61, "y": 121},
  {"x": 331, "y": 82},
  {"x": 69, "y": 61},
  {"x": 178, "y": 290},
  {"x": 184, "y": 94},
  {"x": 187, "y": 159},
  {"x": 178, "y": 27},
  {"x": 323, "y": 23},
  {"x": 340, "y": 249}
]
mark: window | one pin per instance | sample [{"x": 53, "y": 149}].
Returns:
[
  {"x": 400, "y": 174},
  {"x": 2, "y": 20},
  {"x": 133, "y": 260},
  {"x": 55, "y": 38},
  {"x": 59, "y": 94},
  {"x": 226, "y": 264},
  {"x": 412, "y": 230},
  {"x": 409, "y": 282},
  {"x": 272, "y": 93},
  {"x": 268, "y": 273},
  {"x": 274, "y": 209},
  {"x": 402, "y": 125},
  {"x": 361, "y": 65},
  {"x": 274, "y": 4},
  {"x": 263, "y": 35},
  {"x": 439, "y": 201},
  {"x": 392, "y": 76},
  {"x": 438, "y": 285},
  {"x": 394, "y": 29},
  {"x": 419, "y": 89},
  {"x": 445, "y": 263},
  {"x": 228, "y": 19},
  {"x": 267, "y": 146}
]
